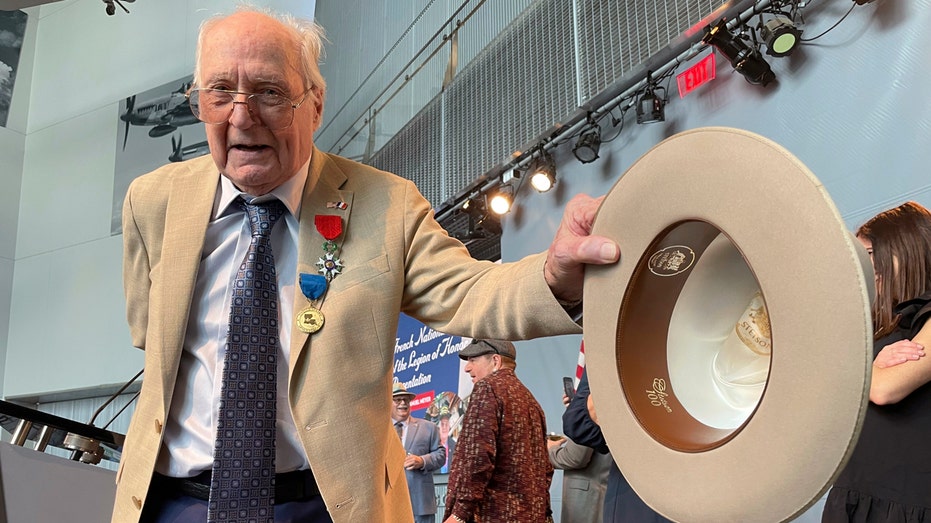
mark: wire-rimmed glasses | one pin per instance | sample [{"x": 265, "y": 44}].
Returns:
[{"x": 215, "y": 106}]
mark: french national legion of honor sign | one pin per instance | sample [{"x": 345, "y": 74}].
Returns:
[{"x": 729, "y": 349}]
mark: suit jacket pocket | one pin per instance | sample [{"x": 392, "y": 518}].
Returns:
[
  {"x": 577, "y": 483},
  {"x": 357, "y": 273}
]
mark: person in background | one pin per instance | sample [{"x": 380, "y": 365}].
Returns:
[
  {"x": 584, "y": 478},
  {"x": 421, "y": 442},
  {"x": 580, "y": 424},
  {"x": 242, "y": 271},
  {"x": 888, "y": 477},
  {"x": 501, "y": 471},
  {"x": 446, "y": 438}
]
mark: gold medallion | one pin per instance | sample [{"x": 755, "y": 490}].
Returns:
[{"x": 310, "y": 320}]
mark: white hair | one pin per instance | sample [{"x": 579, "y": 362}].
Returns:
[{"x": 308, "y": 36}]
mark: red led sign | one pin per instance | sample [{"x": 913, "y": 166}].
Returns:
[{"x": 695, "y": 76}]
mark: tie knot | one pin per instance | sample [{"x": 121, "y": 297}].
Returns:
[{"x": 262, "y": 216}]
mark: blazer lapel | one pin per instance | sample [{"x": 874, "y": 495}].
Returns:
[
  {"x": 188, "y": 213},
  {"x": 322, "y": 187}
]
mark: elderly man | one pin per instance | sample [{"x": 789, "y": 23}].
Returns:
[
  {"x": 501, "y": 471},
  {"x": 421, "y": 442},
  {"x": 264, "y": 283}
]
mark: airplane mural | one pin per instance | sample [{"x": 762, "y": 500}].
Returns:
[
  {"x": 180, "y": 153},
  {"x": 164, "y": 113}
]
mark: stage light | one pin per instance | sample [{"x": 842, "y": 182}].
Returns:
[
  {"x": 474, "y": 207},
  {"x": 780, "y": 35},
  {"x": 651, "y": 107},
  {"x": 481, "y": 223},
  {"x": 501, "y": 202},
  {"x": 744, "y": 59},
  {"x": 542, "y": 172},
  {"x": 586, "y": 148}
]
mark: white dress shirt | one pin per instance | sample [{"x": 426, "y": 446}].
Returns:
[{"x": 190, "y": 429}]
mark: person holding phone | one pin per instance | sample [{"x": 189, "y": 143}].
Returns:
[
  {"x": 580, "y": 423},
  {"x": 585, "y": 474}
]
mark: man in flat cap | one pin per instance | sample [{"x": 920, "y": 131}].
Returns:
[
  {"x": 501, "y": 471},
  {"x": 424, "y": 454}
]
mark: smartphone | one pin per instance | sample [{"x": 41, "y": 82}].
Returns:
[{"x": 567, "y": 387}]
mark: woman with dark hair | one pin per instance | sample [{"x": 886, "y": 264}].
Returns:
[{"x": 888, "y": 477}]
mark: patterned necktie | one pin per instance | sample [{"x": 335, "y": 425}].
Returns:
[
  {"x": 243, "y": 482},
  {"x": 399, "y": 426}
]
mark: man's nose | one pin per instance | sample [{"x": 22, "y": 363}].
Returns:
[{"x": 241, "y": 115}]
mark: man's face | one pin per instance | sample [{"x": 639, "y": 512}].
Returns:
[
  {"x": 251, "y": 53},
  {"x": 480, "y": 366},
  {"x": 444, "y": 428},
  {"x": 401, "y": 408}
]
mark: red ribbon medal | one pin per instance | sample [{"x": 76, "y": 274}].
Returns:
[{"x": 330, "y": 227}]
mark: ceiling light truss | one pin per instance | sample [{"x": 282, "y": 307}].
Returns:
[{"x": 734, "y": 38}]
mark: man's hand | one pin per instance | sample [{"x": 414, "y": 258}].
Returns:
[
  {"x": 550, "y": 443},
  {"x": 412, "y": 462},
  {"x": 574, "y": 246}
]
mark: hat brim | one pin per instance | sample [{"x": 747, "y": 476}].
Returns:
[{"x": 691, "y": 189}]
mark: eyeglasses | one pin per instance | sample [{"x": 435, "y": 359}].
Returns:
[
  {"x": 404, "y": 399},
  {"x": 215, "y": 106}
]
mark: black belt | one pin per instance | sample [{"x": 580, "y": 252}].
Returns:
[{"x": 298, "y": 485}]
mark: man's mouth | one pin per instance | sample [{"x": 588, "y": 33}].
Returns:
[{"x": 250, "y": 148}]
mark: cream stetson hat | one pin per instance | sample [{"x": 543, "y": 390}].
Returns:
[{"x": 718, "y": 229}]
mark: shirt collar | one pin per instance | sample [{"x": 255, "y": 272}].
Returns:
[{"x": 290, "y": 193}]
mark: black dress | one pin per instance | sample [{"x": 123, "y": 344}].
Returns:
[{"x": 888, "y": 478}]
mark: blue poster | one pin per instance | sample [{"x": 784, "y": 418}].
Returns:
[{"x": 427, "y": 363}]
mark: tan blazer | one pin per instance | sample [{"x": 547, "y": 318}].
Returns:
[{"x": 397, "y": 258}]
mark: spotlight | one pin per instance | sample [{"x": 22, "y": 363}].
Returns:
[
  {"x": 743, "y": 58},
  {"x": 500, "y": 203},
  {"x": 481, "y": 223},
  {"x": 586, "y": 148},
  {"x": 542, "y": 172},
  {"x": 474, "y": 207},
  {"x": 780, "y": 35},
  {"x": 651, "y": 108}
]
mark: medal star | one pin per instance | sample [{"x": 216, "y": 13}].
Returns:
[{"x": 329, "y": 265}]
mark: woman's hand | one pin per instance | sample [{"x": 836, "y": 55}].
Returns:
[{"x": 898, "y": 353}]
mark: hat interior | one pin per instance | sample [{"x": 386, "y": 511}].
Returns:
[{"x": 686, "y": 334}]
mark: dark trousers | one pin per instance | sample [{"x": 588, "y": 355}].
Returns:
[{"x": 171, "y": 506}]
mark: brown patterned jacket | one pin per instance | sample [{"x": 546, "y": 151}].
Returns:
[{"x": 501, "y": 471}]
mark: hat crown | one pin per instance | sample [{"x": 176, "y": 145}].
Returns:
[
  {"x": 481, "y": 347},
  {"x": 398, "y": 389}
]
